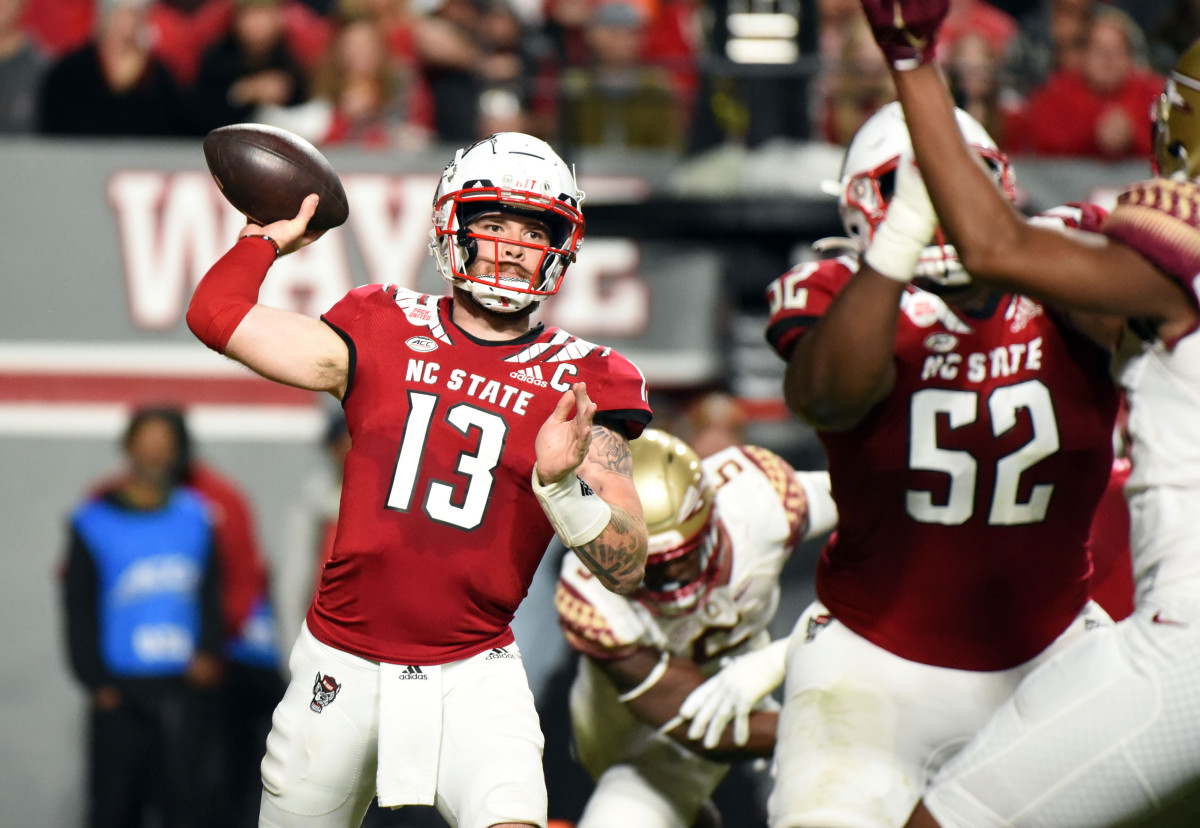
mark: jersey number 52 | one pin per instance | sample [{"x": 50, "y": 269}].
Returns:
[{"x": 962, "y": 408}]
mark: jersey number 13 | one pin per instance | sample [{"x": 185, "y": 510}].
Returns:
[{"x": 477, "y": 468}]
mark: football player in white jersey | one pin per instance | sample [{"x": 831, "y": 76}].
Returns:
[
  {"x": 1108, "y": 730},
  {"x": 654, "y": 734}
]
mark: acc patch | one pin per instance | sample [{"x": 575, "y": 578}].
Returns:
[
  {"x": 941, "y": 343},
  {"x": 421, "y": 343}
]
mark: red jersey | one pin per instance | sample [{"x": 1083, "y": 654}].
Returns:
[
  {"x": 439, "y": 532},
  {"x": 965, "y": 497}
]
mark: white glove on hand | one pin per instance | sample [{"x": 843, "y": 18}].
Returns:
[
  {"x": 731, "y": 693},
  {"x": 907, "y": 229}
]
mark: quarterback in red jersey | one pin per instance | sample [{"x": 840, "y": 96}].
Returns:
[
  {"x": 969, "y": 438},
  {"x": 475, "y": 437},
  {"x": 1104, "y": 733}
]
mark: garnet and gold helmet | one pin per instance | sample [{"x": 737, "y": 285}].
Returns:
[
  {"x": 1177, "y": 120},
  {"x": 677, "y": 503}
]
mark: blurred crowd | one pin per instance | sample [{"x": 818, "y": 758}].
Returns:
[
  {"x": 395, "y": 74},
  {"x": 1054, "y": 77},
  {"x": 1047, "y": 77}
]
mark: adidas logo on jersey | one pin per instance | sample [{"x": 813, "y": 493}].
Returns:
[
  {"x": 499, "y": 652},
  {"x": 531, "y": 375},
  {"x": 413, "y": 672}
]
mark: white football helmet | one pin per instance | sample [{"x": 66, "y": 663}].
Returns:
[
  {"x": 509, "y": 172},
  {"x": 868, "y": 180}
]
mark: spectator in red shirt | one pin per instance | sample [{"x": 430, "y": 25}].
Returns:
[
  {"x": 1051, "y": 37},
  {"x": 1100, "y": 110},
  {"x": 180, "y": 31}
]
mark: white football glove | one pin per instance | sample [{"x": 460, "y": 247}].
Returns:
[
  {"x": 907, "y": 229},
  {"x": 731, "y": 694}
]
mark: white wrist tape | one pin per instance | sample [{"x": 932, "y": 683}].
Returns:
[
  {"x": 822, "y": 511},
  {"x": 896, "y": 246},
  {"x": 577, "y": 514}
]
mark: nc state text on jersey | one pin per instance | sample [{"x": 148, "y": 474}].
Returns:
[
  {"x": 486, "y": 390},
  {"x": 998, "y": 362}
]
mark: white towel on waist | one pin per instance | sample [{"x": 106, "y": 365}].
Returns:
[{"x": 410, "y": 734}]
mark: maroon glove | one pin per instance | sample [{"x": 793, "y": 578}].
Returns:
[{"x": 906, "y": 30}]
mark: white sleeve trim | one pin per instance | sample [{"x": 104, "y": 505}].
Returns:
[{"x": 649, "y": 681}]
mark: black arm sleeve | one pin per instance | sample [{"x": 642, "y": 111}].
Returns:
[
  {"x": 614, "y": 422},
  {"x": 82, "y": 611}
]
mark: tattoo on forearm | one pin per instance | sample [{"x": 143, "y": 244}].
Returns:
[
  {"x": 610, "y": 450},
  {"x": 616, "y": 555}
]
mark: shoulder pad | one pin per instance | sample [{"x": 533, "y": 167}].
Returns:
[
  {"x": 1160, "y": 219},
  {"x": 767, "y": 467},
  {"x": 588, "y": 629},
  {"x": 782, "y": 477},
  {"x": 798, "y": 298}
]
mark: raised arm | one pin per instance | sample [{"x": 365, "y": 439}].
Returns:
[
  {"x": 287, "y": 347},
  {"x": 994, "y": 241},
  {"x": 584, "y": 480}
]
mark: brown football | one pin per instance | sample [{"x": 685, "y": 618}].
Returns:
[{"x": 265, "y": 172}]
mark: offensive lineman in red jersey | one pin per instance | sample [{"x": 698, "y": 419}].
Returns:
[
  {"x": 1104, "y": 733},
  {"x": 969, "y": 438},
  {"x": 475, "y": 438}
]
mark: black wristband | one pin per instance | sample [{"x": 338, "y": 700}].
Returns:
[{"x": 274, "y": 243}]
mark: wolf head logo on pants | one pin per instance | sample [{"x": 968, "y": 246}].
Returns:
[{"x": 325, "y": 690}]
